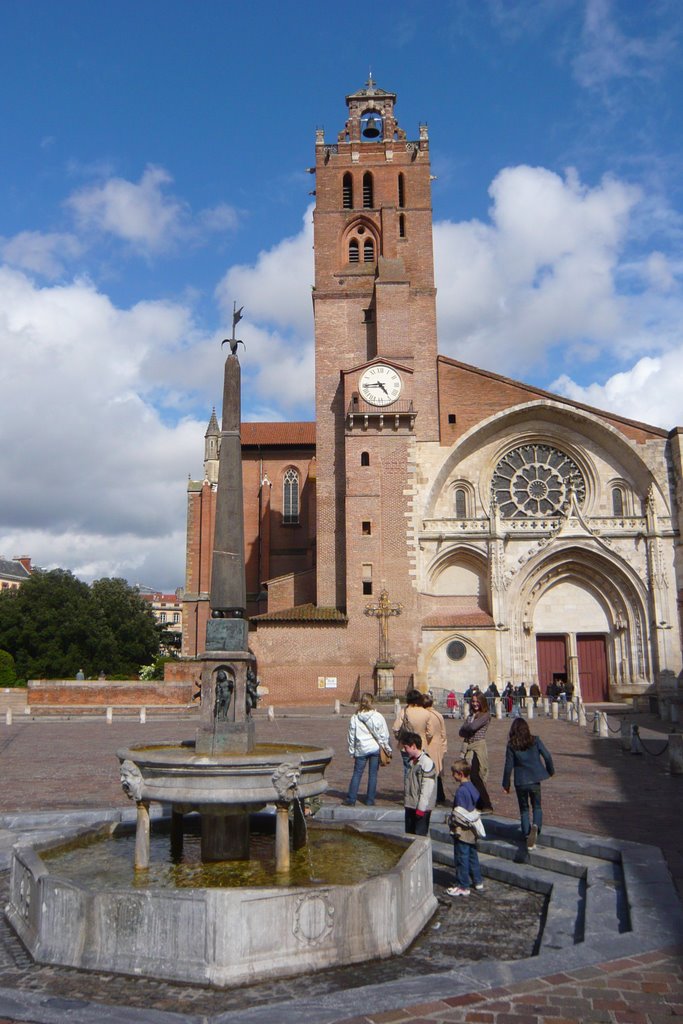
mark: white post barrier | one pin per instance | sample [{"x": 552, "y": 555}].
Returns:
[
  {"x": 603, "y": 731},
  {"x": 675, "y": 753},
  {"x": 570, "y": 712},
  {"x": 530, "y": 709},
  {"x": 555, "y": 710},
  {"x": 397, "y": 707},
  {"x": 143, "y": 716},
  {"x": 582, "y": 715},
  {"x": 8, "y": 716},
  {"x": 110, "y": 715},
  {"x": 499, "y": 708},
  {"x": 546, "y": 705},
  {"x": 271, "y": 713},
  {"x": 27, "y": 710},
  {"x": 465, "y": 708},
  {"x": 337, "y": 707}
]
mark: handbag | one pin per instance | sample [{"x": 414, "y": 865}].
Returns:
[
  {"x": 384, "y": 753},
  {"x": 405, "y": 729}
]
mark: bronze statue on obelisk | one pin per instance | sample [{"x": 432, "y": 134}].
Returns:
[{"x": 228, "y": 675}]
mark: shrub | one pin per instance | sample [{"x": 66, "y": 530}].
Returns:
[{"x": 8, "y": 674}]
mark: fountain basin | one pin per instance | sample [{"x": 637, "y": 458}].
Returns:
[
  {"x": 213, "y": 935},
  {"x": 174, "y": 773}
]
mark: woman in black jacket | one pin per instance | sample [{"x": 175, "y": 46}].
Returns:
[{"x": 531, "y": 762}]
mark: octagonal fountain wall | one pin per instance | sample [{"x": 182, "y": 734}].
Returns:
[{"x": 221, "y": 936}]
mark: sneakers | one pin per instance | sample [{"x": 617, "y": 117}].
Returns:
[
  {"x": 455, "y": 890},
  {"x": 532, "y": 837},
  {"x": 480, "y": 887}
]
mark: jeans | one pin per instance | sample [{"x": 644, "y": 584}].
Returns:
[
  {"x": 372, "y": 761},
  {"x": 466, "y": 864},
  {"x": 414, "y": 825},
  {"x": 526, "y": 795}
]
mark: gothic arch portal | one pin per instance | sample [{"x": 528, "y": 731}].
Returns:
[{"x": 591, "y": 602}]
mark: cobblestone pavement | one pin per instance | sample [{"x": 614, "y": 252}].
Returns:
[{"x": 598, "y": 789}]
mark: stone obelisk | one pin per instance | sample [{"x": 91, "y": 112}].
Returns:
[{"x": 228, "y": 683}]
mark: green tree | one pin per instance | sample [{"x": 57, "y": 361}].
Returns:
[
  {"x": 8, "y": 674},
  {"x": 52, "y": 626},
  {"x": 131, "y": 621}
]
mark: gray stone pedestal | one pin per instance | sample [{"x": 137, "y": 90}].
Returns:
[{"x": 225, "y": 835}]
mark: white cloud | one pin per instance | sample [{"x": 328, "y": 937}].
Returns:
[
  {"x": 540, "y": 274},
  {"x": 277, "y": 289},
  {"x": 40, "y": 253},
  {"x": 650, "y": 391},
  {"x": 141, "y": 214},
  {"x": 94, "y": 477},
  {"x": 607, "y": 53}
]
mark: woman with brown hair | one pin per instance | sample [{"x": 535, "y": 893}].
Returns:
[
  {"x": 437, "y": 746},
  {"x": 475, "y": 751},
  {"x": 531, "y": 762}
]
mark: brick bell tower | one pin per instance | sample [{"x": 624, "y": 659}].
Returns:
[{"x": 376, "y": 349}]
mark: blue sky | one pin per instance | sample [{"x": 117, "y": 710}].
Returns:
[{"x": 154, "y": 168}]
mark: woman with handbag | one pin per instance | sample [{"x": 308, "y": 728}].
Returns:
[{"x": 368, "y": 734}]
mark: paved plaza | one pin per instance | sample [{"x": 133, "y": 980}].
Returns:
[{"x": 599, "y": 789}]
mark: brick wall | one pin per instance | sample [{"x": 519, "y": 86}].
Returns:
[{"x": 105, "y": 694}]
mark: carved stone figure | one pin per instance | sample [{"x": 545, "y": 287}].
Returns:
[
  {"x": 131, "y": 780},
  {"x": 224, "y": 689}
]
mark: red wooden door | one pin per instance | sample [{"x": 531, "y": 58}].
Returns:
[
  {"x": 551, "y": 657},
  {"x": 592, "y": 668}
]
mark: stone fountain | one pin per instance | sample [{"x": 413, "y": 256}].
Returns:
[{"x": 218, "y": 935}]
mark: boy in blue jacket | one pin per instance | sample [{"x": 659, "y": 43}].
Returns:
[{"x": 464, "y": 834}]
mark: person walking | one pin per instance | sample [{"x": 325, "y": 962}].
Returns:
[
  {"x": 529, "y": 759},
  {"x": 412, "y": 718},
  {"x": 437, "y": 746},
  {"x": 367, "y": 733},
  {"x": 467, "y": 867},
  {"x": 419, "y": 796},
  {"x": 535, "y": 693}
]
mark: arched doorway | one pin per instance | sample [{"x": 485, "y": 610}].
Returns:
[{"x": 571, "y": 622}]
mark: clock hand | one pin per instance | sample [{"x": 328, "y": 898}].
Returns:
[{"x": 380, "y": 385}]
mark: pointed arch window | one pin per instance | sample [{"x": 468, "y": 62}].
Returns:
[
  {"x": 617, "y": 501},
  {"x": 347, "y": 191},
  {"x": 354, "y": 251},
  {"x": 401, "y": 190},
  {"x": 368, "y": 251},
  {"x": 290, "y": 497},
  {"x": 368, "y": 191}
]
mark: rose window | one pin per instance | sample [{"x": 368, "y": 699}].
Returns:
[{"x": 535, "y": 480}]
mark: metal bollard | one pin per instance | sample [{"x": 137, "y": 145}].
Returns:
[
  {"x": 603, "y": 731},
  {"x": 110, "y": 715},
  {"x": 143, "y": 716},
  {"x": 636, "y": 745},
  {"x": 675, "y": 753},
  {"x": 582, "y": 715},
  {"x": 337, "y": 707},
  {"x": 271, "y": 713},
  {"x": 8, "y": 716},
  {"x": 555, "y": 707},
  {"x": 499, "y": 708}
]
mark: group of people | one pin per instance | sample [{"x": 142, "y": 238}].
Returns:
[{"x": 421, "y": 735}]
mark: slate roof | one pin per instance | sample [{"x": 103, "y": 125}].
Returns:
[{"x": 11, "y": 570}]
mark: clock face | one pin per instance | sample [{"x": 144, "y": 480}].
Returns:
[{"x": 380, "y": 385}]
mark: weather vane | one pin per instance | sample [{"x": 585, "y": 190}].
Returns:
[{"x": 233, "y": 341}]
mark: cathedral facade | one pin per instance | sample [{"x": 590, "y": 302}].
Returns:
[{"x": 439, "y": 524}]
